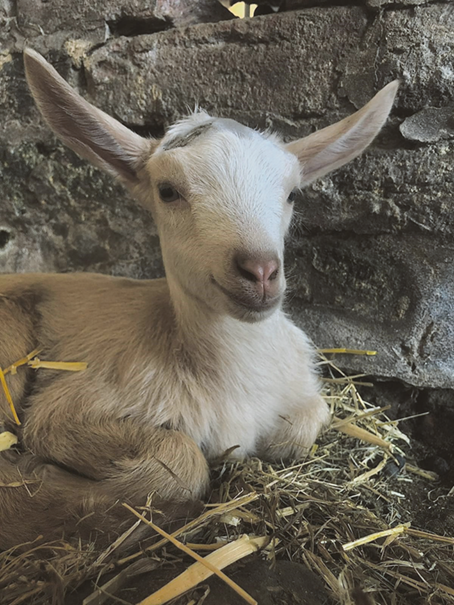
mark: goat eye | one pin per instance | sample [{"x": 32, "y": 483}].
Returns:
[
  {"x": 168, "y": 193},
  {"x": 291, "y": 198}
]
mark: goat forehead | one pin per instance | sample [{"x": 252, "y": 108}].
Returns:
[
  {"x": 238, "y": 184},
  {"x": 241, "y": 162},
  {"x": 215, "y": 152}
]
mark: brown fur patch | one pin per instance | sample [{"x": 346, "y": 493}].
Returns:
[{"x": 187, "y": 138}]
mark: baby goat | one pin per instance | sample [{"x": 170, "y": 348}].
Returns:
[{"x": 179, "y": 369}]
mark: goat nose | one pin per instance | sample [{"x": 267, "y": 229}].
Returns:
[{"x": 258, "y": 270}]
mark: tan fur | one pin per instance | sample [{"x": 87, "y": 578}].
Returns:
[
  {"x": 179, "y": 370},
  {"x": 66, "y": 418}
]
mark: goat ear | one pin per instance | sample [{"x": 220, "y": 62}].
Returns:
[
  {"x": 334, "y": 146},
  {"x": 85, "y": 129}
]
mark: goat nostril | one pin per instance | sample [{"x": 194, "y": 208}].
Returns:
[
  {"x": 273, "y": 275},
  {"x": 257, "y": 270},
  {"x": 249, "y": 275}
]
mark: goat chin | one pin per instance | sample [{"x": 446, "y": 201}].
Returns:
[
  {"x": 251, "y": 315},
  {"x": 169, "y": 384},
  {"x": 249, "y": 309}
]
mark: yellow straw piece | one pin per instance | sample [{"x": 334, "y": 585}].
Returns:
[
  {"x": 417, "y": 533},
  {"x": 13, "y": 367},
  {"x": 69, "y": 366},
  {"x": 429, "y": 475},
  {"x": 367, "y": 475},
  {"x": 9, "y": 399},
  {"x": 16, "y": 484},
  {"x": 444, "y": 588},
  {"x": 394, "y": 531},
  {"x": 7, "y": 439},
  {"x": 33, "y": 361},
  {"x": 348, "y": 351},
  {"x": 188, "y": 551},
  {"x": 355, "y": 431}
]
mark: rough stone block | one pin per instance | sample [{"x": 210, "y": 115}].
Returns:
[{"x": 370, "y": 252}]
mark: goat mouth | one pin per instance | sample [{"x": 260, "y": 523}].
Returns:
[{"x": 252, "y": 306}]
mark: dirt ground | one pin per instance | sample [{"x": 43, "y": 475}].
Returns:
[
  {"x": 430, "y": 426},
  {"x": 287, "y": 583}
]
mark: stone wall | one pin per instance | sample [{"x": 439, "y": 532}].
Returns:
[{"x": 370, "y": 258}]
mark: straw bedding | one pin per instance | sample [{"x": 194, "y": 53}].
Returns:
[{"x": 346, "y": 513}]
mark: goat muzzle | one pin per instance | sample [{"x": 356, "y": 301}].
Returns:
[
  {"x": 254, "y": 282},
  {"x": 258, "y": 276}
]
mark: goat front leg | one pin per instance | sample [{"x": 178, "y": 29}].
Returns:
[
  {"x": 303, "y": 413},
  {"x": 296, "y": 431},
  {"x": 128, "y": 458}
]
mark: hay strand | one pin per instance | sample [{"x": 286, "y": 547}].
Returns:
[
  {"x": 13, "y": 367},
  {"x": 105, "y": 591},
  {"x": 217, "y": 510},
  {"x": 394, "y": 531},
  {"x": 352, "y": 430},
  {"x": 9, "y": 399},
  {"x": 344, "y": 351},
  {"x": 34, "y": 362},
  {"x": 67, "y": 366}
]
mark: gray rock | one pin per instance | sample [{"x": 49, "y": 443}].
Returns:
[
  {"x": 78, "y": 26},
  {"x": 398, "y": 4},
  {"x": 413, "y": 45},
  {"x": 119, "y": 17},
  {"x": 59, "y": 214},
  {"x": 429, "y": 125},
  {"x": 395, "y": 3},
  {"x": 390, "y": 191},
  {"x": 290, "y": 5},
  {"x": 392, "y": 295},
  {"x": 264, "y": 71},
  {"x": 370, "y": 253}
]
